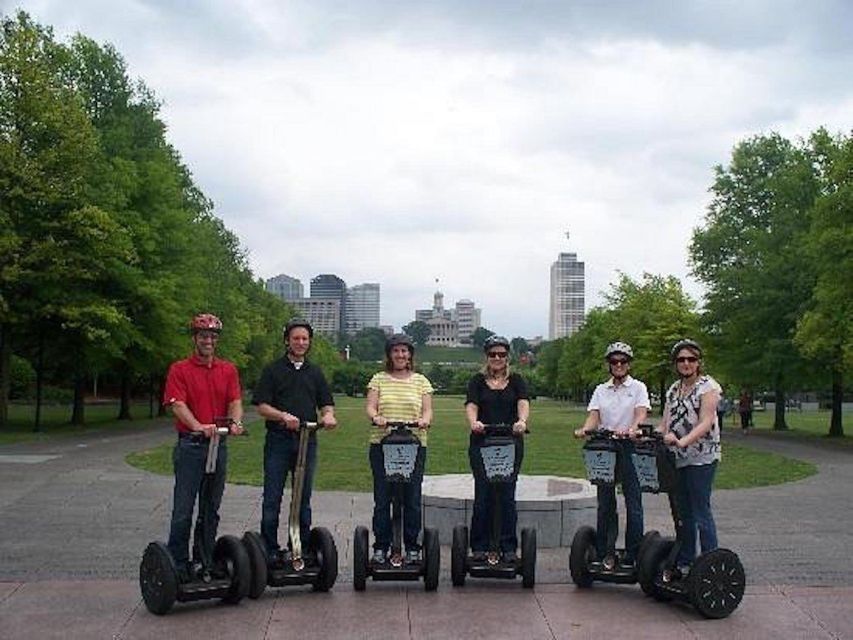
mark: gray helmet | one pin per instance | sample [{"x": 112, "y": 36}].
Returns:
[
  {"x": 297, "y": 322},
  {"x": 495, "y": 341},
  {"x": 685, "y": 343},
  {"x": 619, "y": 347},
  {"x": 399, "y": 339}
]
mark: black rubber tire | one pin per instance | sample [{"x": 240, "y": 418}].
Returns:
[
  {"x": 432, "y": 559},
  {"x": 644, "y": 545},
  {"x": 458, "y": 556},
  {"x": 651, "y": 566},
  {"x": 716, "y": 583},
  {"x": 257, "y": 562},
  {"x": 528, "y": 558},
  {"x": 581, "y": 554},
  {"x": 158, "y": 578},
  {"x": 230, "y": 554},
  {"x": 322, "y": 545},
  {"x": 360, "y": 558}
]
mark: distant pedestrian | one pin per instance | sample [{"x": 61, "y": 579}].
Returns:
[
  {"x": 723, "y": 408},
  {"x": 744, "y": 407}
]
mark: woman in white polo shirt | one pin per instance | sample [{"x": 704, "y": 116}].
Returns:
[{"x": 620, "y": 405}]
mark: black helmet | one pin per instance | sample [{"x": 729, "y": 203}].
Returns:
[
  {"x": 398, "y": 339},
  {"x": 297, "y": 322},
  {"x": 495, "y": 341},
  {"x": 685, "y": 343}
]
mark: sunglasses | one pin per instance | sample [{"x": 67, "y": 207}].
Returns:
[
  {"x": 498, "y": 354},
  {"x": 690, "y": 359},
  {"x": 208, "y": 335},
  {"x": 615, "y": 361}
]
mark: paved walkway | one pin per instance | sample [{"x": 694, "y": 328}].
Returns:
[{"x": 75, "y": 519}]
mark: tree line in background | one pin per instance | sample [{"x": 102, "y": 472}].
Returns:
[
  {"x": 107, "y": 248},
  {"x": 775, "y": 253}
]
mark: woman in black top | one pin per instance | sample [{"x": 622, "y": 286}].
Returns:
[{"x": 495, "y": 396}]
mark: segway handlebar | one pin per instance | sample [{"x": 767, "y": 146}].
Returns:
[
  {"x": 223, "y": 426},
  {"x": 500, "y": 429},
  {"x": 402, "y": 426}
]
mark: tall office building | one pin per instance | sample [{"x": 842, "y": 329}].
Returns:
[
  {"x": 285, "y": 287},
  {"x": 324, "y": 314},
  {"x": 328, "y": 286},
  {"x": 567, "y": 296},
  {"x": 362, "y": 307},
  {"x": 467, "y": 317}
]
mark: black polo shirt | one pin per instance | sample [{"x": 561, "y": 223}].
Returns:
[{"x": 297, "y": 391}]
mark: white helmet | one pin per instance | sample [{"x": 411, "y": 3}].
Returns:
[{"x": 619, "y": 347}]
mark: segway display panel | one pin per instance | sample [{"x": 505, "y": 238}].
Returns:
[
  {"x": 646, "y": 465},
  {"x": 400, "y": 461},
  {"x": 499, "y": 462},
  {"x": 600, "y": 464}
]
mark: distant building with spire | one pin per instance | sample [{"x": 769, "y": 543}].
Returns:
[{"x": 567, "y": 312}]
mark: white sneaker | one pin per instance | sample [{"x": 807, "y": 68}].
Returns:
[{"x": 413, "y": 557}]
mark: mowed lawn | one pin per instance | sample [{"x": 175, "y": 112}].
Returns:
[{"x": 550, "y": 449}]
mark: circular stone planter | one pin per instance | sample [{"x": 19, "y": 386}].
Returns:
[{"x": 554, "y": 505}]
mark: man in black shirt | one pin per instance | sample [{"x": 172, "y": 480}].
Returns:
[{"x": 290, "y": 391}]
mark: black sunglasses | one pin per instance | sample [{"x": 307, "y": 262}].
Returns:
[
  {"x": 498, "y": 354},
  {"x": 615, "y": 361},
  {"x": 690, "y": 359}
]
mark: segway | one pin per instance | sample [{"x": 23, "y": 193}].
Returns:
[
  {"x": 226, "y": 575},
  {"x": 715, "y": 582},
  {"x": 400, "y": 453},
  {"x": 601, "y": 459},
  {"x": 316, "y": 564},
  {"x": 498, "y": 455}
]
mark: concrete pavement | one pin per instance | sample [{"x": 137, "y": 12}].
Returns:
[{"x": 75, "y": 519}]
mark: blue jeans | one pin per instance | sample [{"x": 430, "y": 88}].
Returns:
[
  {"x": 694, "y": 509},
  {"x": 382, "y": 494},
  {"x": 188, "y": 458},
  {"x": 280, "y": 453},
  {"x": 608, "y": 518},
  {"x": 482, "y": 514}
]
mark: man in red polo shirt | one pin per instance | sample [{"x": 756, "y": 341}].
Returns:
[{"x": 199, "y": 390}]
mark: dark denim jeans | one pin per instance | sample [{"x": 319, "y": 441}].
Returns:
[
  {"x": 382, "y": 494},
  {"x": 482, "y": 514},
  {"x": 608, "y": 518},
  {"x": 191, "y": 482},
  {"x": 694, "y": 508},
  {"x": 280, "y": 452}
]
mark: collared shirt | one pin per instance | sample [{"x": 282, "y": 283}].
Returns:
[
  {"x": 206, "y": 388},
  {"x": 616, "y": 403},
  {"x": 298, "y": 391}
]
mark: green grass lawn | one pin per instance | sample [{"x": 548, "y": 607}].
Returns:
[
  {"x": 801, "y": 424},
  {"x": 549, "y": 449},
  {"x": 55, "y": 421}
]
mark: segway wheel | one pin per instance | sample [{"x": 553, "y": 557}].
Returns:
[
  {"x": 321, "y": 542},
  {"x": 432, "y": 559},
  {"x": 257, "y": 562},
  {"x": 716, "y": 583},
  {"x": 644, "y": 542},
  {"x": 528, "y": 558},
  {"x": 581, "y": 555},
  {"x": 230, "y": 554},
  {"x": 651, "y": 565},
  {"x": 360, "y": 551},
  {"x": 458, "y": 553},
  {"x": 158, "y": 578}
]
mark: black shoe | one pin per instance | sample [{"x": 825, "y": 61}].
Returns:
[
  {"x": 185, "y": 572},
  {"x": 627, "y": 564},
  {"x": 478, "y": 556},
  {"x": 509, "y": 557}
]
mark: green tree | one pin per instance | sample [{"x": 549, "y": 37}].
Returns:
[
  {"x": 480, "y": 335},
  {"x": 519, "y": 346},
  {"x": 748, "y": 256},
  {"x": 418, "y": 331},
  {"x": 368, "y": 344},
  {"x": 824, "y": 331}
]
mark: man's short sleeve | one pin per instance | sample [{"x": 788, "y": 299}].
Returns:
[
  {"x": 175, "y": 389},
  {"x": 324, "y": 394},
  {"x": 263, "y": 393}
]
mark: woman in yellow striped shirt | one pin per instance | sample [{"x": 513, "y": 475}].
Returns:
[{"x": 397, "y": 394}]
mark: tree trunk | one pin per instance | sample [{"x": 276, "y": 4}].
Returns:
[
  {"x": 124, "y": 408},
  {"x": 5, "y": 373},
  {"x": 836, "y": 428},
  {"x": 662, "y": 396},
  {"x": 78, "y": 416},
  {"x": 39, "y": 379},
  {"x": 779, "y": 419},
  {"x": 161, "y": 389}
]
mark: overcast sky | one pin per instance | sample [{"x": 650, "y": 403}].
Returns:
[{"x": 400, "y": 142}]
